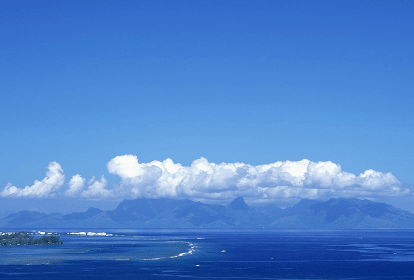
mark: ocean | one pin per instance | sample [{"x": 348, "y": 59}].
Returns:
[{"x": 217, "y": 254}]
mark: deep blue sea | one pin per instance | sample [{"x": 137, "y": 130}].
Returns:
[{"x": 217, "y": 254}]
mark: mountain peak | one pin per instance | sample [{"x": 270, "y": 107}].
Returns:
[
  {"x": 305, "y": 203},
  {"x": 93, "y": 210},
  {"x": 238, "y": 204},
  {"x": 336, "y": 213}
]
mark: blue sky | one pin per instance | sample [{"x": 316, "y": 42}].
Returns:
[{"x": 254, "y": 82}]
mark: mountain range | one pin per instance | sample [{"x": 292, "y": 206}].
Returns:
[{"x": 336, "y": 213}]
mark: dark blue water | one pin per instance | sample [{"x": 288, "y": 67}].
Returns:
[{"x": 362, "y": 254}]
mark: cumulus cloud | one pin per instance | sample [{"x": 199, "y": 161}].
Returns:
[
  {"x": 204, "y": 180},
  {"x": 207, "y": 180},
  {"x": 97, "y": 189},
  {"x": 93, "y": 190},
  {"x": 75, "y": 186},
  {"x": 53, "y": 181}
]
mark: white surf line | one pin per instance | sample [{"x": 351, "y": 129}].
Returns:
[{"x": 190, "y": 251}]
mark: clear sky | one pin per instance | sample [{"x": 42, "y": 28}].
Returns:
[{"x": 236, "y": 93}]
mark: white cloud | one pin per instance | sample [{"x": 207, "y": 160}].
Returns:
[
  {"x": 287, "y": 179},
  {"x": 204, "y": 180},
  {"x": 41, "y": 189},
  {"x": 75, "y": 186},
  {"x": 97, "y": 189},
  {"x": 94, "y": 189},
  {"x": 125, "y": 166}
]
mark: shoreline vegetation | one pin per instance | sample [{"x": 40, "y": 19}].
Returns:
[{"x": 27, "y": 238}]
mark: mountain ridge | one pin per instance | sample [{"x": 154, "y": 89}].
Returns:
[{"x": 335, "y": 213}]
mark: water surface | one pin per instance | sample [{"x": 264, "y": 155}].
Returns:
[{"x": 218, "y": 254}]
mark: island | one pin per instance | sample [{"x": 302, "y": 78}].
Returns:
[{"x": 27, "y": 238}]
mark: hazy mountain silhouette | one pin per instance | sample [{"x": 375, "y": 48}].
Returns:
[
  {"x": 22, "y": 218},
  {"x": 238, "y": 204},
  {"x": 338, "y": 213},
  {"x": 92, "y": 211}
]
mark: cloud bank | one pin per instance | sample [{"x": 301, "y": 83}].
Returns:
[
  {"x": 210, "y": 181},
  {"x": 53, "y": 181}
]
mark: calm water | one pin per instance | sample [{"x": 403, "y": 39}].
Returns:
[{"x": 362, "y": 254}]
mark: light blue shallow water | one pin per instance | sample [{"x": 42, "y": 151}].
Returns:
[{"x": 217, "y": 254}]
